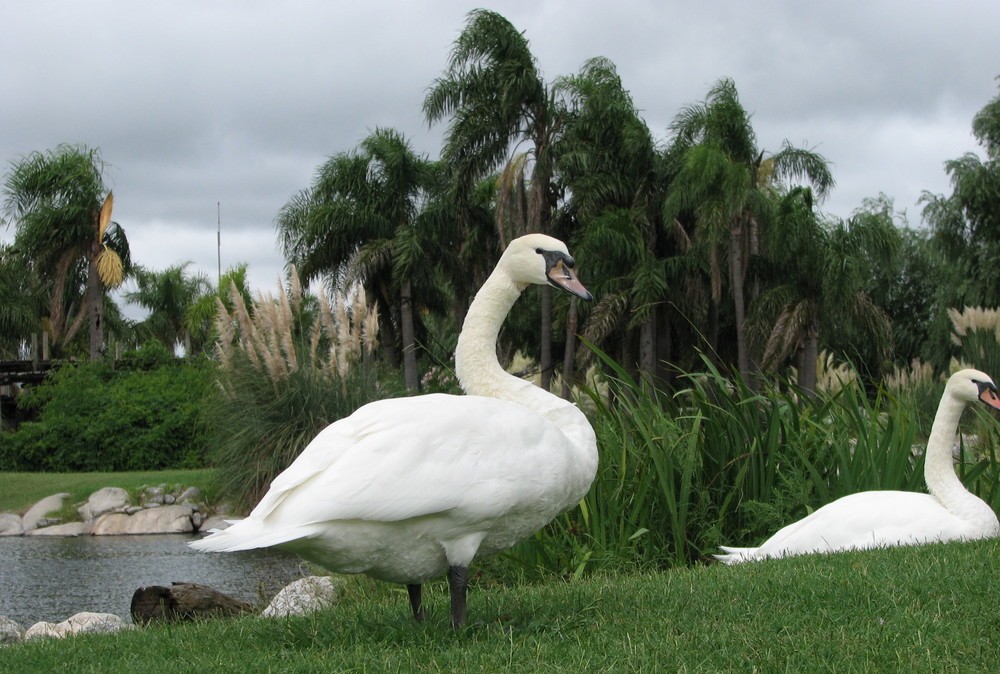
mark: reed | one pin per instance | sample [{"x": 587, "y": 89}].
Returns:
[
  {"x": 289, "y": 365},
  {"x": 714, "y": 462}
]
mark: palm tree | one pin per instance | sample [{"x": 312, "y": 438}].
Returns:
[
  {"x": 22, "y": 304},
  {"x": 609, "y": 163},
  {"x": 496, "y": 98},
  {"x": 821, "y": 272},
  {"x": 727, "y": 185},
  {"x": 200, "y": 317},
  {"x": 966, "y": 222},
  {"x": 364, "y": 221},
  {"x": 170, "y": 296},
  {"x": 62, "y": 215}
]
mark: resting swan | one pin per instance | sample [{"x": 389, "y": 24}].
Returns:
[
  {"x": 874, "y": 519},
  {"x": 408, "y": 489}
]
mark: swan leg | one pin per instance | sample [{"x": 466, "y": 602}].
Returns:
[
  {"x": 419, "y": 614},
  {"x": 458, "y": 583}
]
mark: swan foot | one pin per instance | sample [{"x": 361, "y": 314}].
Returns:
[
  {"x": 458, "y": 583},
  {"x": 419, "y": 612}
]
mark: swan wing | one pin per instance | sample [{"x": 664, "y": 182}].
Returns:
[
  {"x": 867, "y": 520},
  {"x": 411, "y": 457}
]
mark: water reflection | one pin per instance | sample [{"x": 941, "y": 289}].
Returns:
[{"x": 53, "y": 578}]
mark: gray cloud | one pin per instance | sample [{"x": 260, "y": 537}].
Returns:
[{"x": 194, "y": 104}]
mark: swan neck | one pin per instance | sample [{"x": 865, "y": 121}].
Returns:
[
  {"x": 939, "y": 466},
  {"x": 476, "y": 364}
]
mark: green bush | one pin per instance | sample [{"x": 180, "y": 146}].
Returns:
[{"x": 91, "y": 417}]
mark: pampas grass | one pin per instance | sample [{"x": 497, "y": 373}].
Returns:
[{"x": 289, "y": 365}]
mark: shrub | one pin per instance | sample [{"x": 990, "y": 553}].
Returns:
[{"x": 92, "y": 417}]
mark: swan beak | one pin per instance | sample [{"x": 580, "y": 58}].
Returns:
[
  {"x": 561, "y": 276},
  {"x": 988, "y": 394}
]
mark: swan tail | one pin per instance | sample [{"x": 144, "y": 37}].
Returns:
[
  {"x": 248, "y": 534},
  {"x": 736, "y": 555}
]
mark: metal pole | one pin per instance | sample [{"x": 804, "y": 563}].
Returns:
[{"x": 218, "y": 239}]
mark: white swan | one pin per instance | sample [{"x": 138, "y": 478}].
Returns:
[
  {"x": 875, "y": 519},
  {"x": 407, "y": 489}
]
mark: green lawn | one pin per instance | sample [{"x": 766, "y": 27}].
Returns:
[
  {"x": 929, "y": 609},
  {"x": 21, "y": 490}
]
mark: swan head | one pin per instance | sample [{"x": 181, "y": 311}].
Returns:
[
  {"x": 969, "y": 385},
  {"x": 541, "y": 259}
]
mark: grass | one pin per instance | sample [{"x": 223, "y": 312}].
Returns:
[
  {"x": 22, "y": 490},
  {"x": 928, "y": 609}
]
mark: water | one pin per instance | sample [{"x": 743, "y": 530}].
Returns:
[{"x": 50, "y": 579}]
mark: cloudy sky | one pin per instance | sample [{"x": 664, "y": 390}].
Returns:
[{"x": 202, "y": 108}]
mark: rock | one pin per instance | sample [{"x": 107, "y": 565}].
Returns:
[
  {"x": 189, "y": 495},
  {"x": 10, "y": 525},
  {"x": 36, "y": 512},
  {"x": 68, "y": 529},
  {"x": 86, "y": 622},
  {"x": 217, "y": 522},
  {"x": 10, "y": 632},
  {"x": 43, "y": 630},
  {"x": 183, "y": 601},
  {"x": 80, "y": 623},
  {"x": 102, "y": 501},
  {"x": 174, "y": 519},
  {"x": 196, "y": 519},
  {"x": 303, "y": 596}
]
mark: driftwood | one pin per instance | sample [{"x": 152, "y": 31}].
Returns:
[{"x": 183, "y": 601}]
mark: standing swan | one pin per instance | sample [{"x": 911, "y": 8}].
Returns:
[
  {"x": 407, "y": 489},
  {"x": 874, "y": 519}
]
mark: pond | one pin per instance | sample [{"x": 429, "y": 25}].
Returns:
[{"x": 49, "y": 578}]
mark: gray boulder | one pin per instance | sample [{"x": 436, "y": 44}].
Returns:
[
  {"x": 10, "y": 525},
  {"x": 38, "y": 511},
  {"x": 189, "y": 495},
  {"x": 171, "y": 519},
  {"x": 68, "y": 529},
  {"x": 217, "y": 522},
  {"x": 10, "y": 632},
  {"x": 305, "y": 595},
  {"x": 81, "y": 623},
  {"x": 102, "y": 501},
  {"x": 43, "y": 630}
]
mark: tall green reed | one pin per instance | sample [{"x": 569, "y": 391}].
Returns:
[{"x": 712, "y": 462}]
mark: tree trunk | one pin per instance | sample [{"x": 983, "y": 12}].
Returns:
[
  {"x": 545, "y": 356},
  {"x": 647, "y": 348},
  {"x": 539, "y": 215},
  {"x": 808, "y": 358},
  {"x": 386, "y": 328},
  {"x": 409, "y": 339},
  {"x": 569, "y": 358},
  {"x": 664, "y": 346},
  {"x": 736, "y": 279},
  {"x": 94, "y": 303}
]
